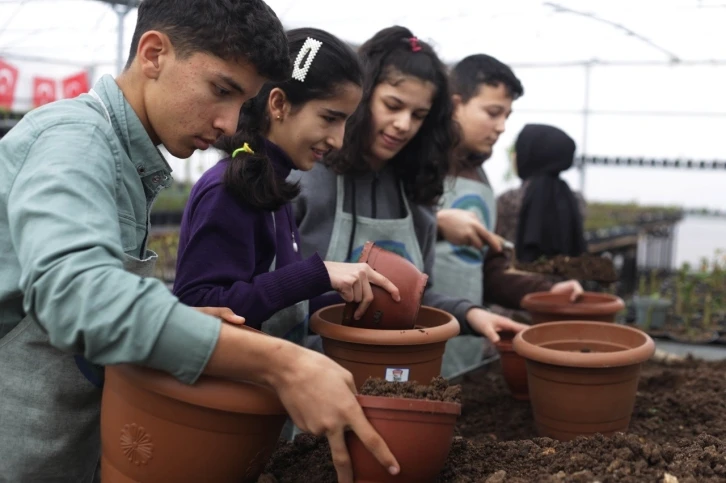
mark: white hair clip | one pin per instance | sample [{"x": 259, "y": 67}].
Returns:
[{"x": 310, "y": 49}]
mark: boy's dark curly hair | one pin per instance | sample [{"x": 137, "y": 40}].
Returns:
[
  {"x": 475, "y": 70},
  {"x": 233, "y": 30}
]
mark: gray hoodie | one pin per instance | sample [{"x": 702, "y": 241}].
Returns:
[{"x": 377, "y": 195}]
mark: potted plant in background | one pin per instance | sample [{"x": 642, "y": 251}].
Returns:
[
  {"x": 695, "y": 304},
  {"x": 651, "y": 309},
  {"x": 717, "y": 281}
]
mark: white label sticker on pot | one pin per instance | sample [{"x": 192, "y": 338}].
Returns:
[{"x": 396, "y": 374}]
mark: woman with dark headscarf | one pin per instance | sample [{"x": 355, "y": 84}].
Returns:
[{"x": 543, "y": 216}]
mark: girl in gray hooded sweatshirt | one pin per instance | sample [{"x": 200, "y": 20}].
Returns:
[{"x": 383, "y": 184}]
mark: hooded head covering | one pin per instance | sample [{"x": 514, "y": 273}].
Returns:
[
  {"x": 549, "y": 222},
  {"x": 543, "y": 149}
]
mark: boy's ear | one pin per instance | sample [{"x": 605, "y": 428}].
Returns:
[
  {"x": 457, "y": 103},
  {"x": 154, "y": 49}
]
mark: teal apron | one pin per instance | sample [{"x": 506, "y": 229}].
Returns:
[{"x": 459, "y": 270}]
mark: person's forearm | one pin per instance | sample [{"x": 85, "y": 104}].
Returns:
[
  {"x": 243, "y": 354},
  {"x": 257, "y": 299},
  {"x": 507, "y": 289}
]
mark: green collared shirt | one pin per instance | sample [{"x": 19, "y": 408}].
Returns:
[{"x": 76, "y": 186}]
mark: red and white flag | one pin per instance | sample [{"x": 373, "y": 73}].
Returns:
[
  {"x": 8, "y": 81},
  {"x": 75, "y": 85},
  {"x": 44, "y": 91}
]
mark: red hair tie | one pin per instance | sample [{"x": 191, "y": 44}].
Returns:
[{"x": 415, "y": 46}]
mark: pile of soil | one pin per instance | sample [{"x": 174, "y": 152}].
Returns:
[
  {"x": 438, "y": 390},
  {"x": 585, "y": 267},
  {"x": 623, "y": 458},
  {"x": 678, "y": 433},
  {"x": 678, "y": 399}
]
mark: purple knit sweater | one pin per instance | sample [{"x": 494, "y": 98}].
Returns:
[{"x": 226, "y": 248}]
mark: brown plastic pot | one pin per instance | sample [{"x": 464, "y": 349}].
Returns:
[
  {"x": 155, "y": 428},
  {"x": 394, "y": 355},
  {"x": 551, "y": 307},
  {"x": 384, "y": 312},
  {"x": 582, "y": 375},
  {"x": 514, "y": 367},
  {"x": 418, "y": 433}
]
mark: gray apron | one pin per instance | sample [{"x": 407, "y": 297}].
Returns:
[
  {"x": 290, "y": 323},
  {"x": 50, "y": 414},
  {"x": 50, "y": 401},
  {"x": 396, "y": 235},
  {"x": 458, "y": 270}
]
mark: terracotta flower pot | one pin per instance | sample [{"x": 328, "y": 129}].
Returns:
[
  {"x": 583, "y": 375},
  {"x": 514, "y": 367},
  {"x": 550, "y": 307},
  {"x": 384, "y": 312},
  {"x": 155, "y": 428},
  {"x": 418, "y": 433},
  {"x": 394, "y": 355}
]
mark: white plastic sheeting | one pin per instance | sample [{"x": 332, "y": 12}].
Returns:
[{"x": 658, "y": 69}]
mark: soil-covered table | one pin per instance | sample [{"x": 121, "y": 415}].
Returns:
[{"x": 678, "y": 433}]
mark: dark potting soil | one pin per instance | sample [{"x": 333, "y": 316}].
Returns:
[
  {"x": 307, "y": 459},
  {"x": 677, "y": 433},
  {"x": 438, "y": 390},
  {"x": 625, "y": 458},
  {"x": 585, "y": 267}
]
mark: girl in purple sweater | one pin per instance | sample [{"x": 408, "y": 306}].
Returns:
[{"x": 239, "y": 246}]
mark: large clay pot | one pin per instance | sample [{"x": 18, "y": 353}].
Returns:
[
  {"x": 384, "y": 312},
  {"x": 514, "y": 367},
  {"x": 552, "y": 307},
  {"x": 394, "y": 355},
  {"x": 154, "y": 428},
  {"x": 548, "y": 307},
  {"x": 583, "y": 375},
  {"x": 418, "y": 433}
]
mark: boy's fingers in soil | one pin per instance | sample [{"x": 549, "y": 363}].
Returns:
[{"x": 341, "y": 458}]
